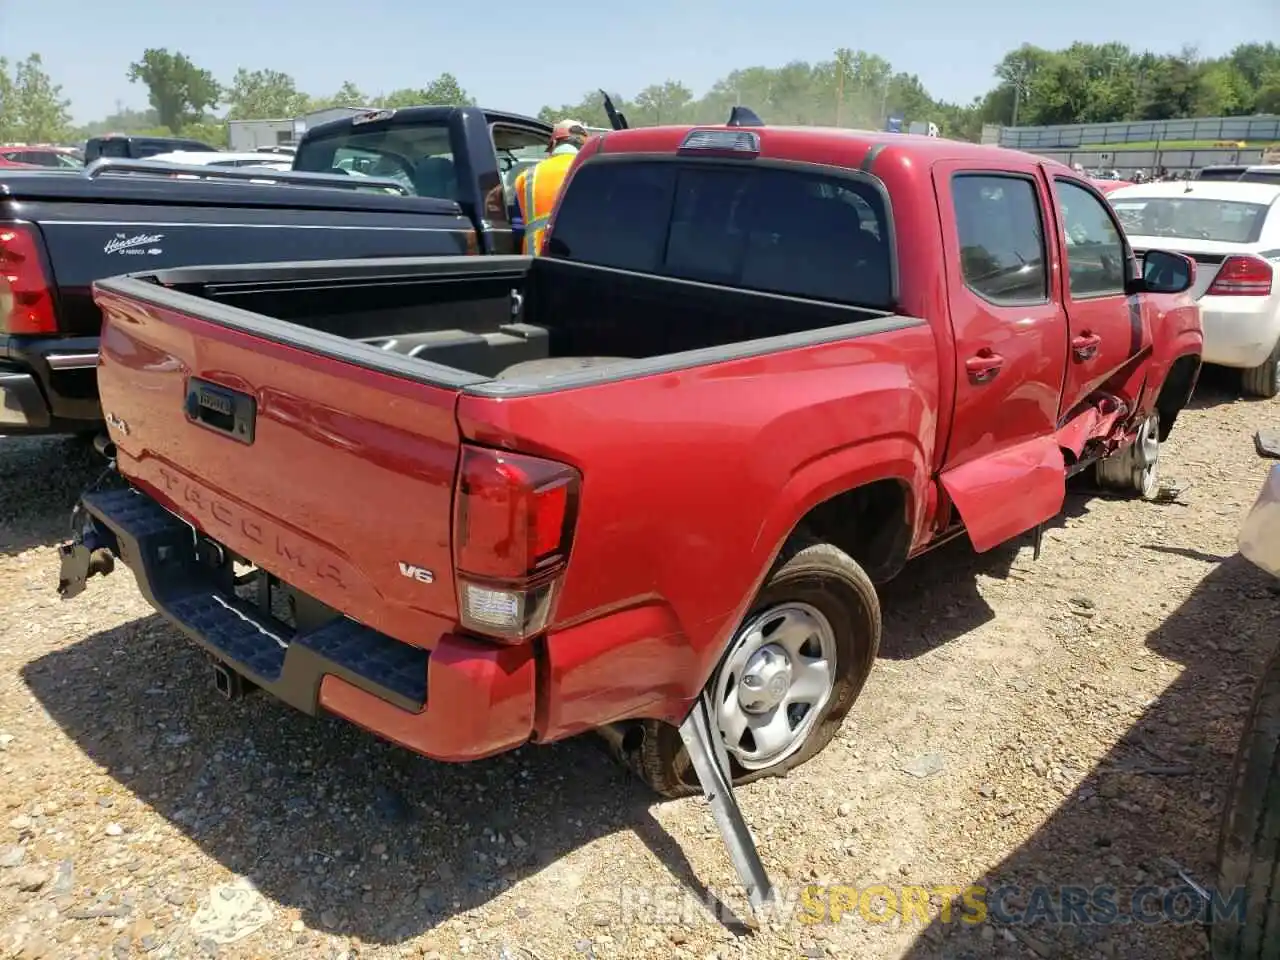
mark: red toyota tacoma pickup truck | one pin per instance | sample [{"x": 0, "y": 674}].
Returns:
[{"x": 472, "y": 502}]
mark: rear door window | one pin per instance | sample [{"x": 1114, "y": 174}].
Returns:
[
  {"x": 769, "y": 229},
  {"x": 1001, "y": 236}
]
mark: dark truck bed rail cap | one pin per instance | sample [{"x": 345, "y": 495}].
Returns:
[{"x": 109, "y": 165}]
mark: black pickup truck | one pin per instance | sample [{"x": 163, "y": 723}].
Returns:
[{"x": 418, "y": 182}]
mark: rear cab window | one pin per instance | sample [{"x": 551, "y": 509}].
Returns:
[
  {"x": 1192, "y": 218},
  {"x": 770, "y": 229},
  {"x": 419, "y": 156}
]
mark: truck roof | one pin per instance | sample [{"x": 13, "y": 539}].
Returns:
[
  {"x": 808, "y": 143},
  {"x": 412, "y": 115}
]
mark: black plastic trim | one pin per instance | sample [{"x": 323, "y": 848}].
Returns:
[
  {"x": 166, "y": 560},
  {"x": 22, "y": 405},
  {"x": 872, "y": 155}
]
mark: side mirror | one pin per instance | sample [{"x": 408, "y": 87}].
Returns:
[{"x": 1166, "y": 272}]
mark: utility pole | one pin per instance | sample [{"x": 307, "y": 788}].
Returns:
[{"x": 1019, "y": 88}]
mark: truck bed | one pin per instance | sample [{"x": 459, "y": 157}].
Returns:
[{"x": 464, "y": 321}]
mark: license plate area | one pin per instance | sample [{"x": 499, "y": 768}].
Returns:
[
  {"x": 221, "y": 409},
  {"x": 288, "y": 609}
]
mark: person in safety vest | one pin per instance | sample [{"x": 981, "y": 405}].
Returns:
[{"x": 538, "y": 187}]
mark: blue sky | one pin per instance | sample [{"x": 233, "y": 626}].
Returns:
[{"x": 507, "y": 58}]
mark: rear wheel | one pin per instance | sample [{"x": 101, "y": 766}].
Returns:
[
  {"x": 1135, "y": 469},
  {"x": 789, "y": 677},
  {"x": 1264, "y": 379},
  {"x": 1249, "y": 843}
]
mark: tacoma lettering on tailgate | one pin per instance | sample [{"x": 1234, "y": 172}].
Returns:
[{"x": 233, "y": 517}]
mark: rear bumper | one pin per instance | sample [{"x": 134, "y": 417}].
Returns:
[
  {"x": 48, "y": 385},
  {"x": 1239, "y": 331},
  {"x": 22, "y": 405},
  {"x": 463, "y": 700}
]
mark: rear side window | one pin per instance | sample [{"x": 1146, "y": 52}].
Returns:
[
  {"x": 1001, "y": 236},
  {"x": 108, "y": 148},
  {"x": 779, "y": 231}
]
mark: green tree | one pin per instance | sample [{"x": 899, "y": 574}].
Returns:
[
  {"x": 177, "y": 89},
  {"x": 8, "y": 104},
  {"x": 348, "y": 95},
  {"x": 32, "y": 108},
  {"x": 444, "y": 90},
  {"x": 660, "y": 103},
  {"x": 264, "y": 95},
  {"x": 588, "y": 110}
]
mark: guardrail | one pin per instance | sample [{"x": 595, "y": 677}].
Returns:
[
  {"x": 1127, "y": 161},
  {"x": 1264, "y": 129}
]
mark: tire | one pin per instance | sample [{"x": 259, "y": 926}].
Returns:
[
  {"x": 1263, "y": 380},
  {"x": 807, "y": 577},
  {"x": 1135, "y": 470},
  {"x": 1249, "y": 841}
]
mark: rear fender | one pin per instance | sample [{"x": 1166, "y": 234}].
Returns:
[
  {"x": 1008, "y": 492},
  {"x": 898, "y": 458}
]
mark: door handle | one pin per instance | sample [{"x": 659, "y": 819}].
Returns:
[
  {"x": 984, "y": 366},
  {"x": 1086, "y": 345}
]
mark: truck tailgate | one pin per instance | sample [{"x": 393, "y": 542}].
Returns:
[{"x": 242, "y": 437}]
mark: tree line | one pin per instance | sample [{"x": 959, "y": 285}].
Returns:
[{"x": 1083, "y": 83}]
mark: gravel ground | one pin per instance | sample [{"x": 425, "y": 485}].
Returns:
[{"x": 1068, "y": 721}]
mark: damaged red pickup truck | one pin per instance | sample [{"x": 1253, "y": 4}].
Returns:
[{"x": 469, "y": 503}]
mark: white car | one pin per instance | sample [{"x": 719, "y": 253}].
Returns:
[
  {"x": 223, "y": 159},
  {"x": 1232, "y": 231}
]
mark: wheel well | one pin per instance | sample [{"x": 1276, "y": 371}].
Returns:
[
  {"x": 871, "y": 523},
  {"x": 1175, "y": 392}
]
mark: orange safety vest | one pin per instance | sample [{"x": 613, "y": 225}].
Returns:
[{"x": 537, "y": 190}]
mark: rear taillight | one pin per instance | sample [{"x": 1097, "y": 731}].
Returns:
[
  {"x": 26, "y": 300},
  {"x": 512, "y": 525},
  {"x": 1242, "y": 277}
]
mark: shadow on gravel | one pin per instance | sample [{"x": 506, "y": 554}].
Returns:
[
  {"x": 949, "y": 576},
  {"x": 364, "y": 838},
  {"x": 40, "y": 480},
  {"x": 1219, "y": 385},
  {"x": 1156, "y": 796}
]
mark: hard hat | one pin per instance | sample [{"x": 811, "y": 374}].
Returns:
[{"x": 568, "y": 130}]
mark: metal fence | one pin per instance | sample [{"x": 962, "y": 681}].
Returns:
[
  {"x": 1128, "y": 161},
  {"x": 1264, "y": 129}
]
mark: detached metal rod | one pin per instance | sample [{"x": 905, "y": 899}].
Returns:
[{"x": 711, "y": 762}]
